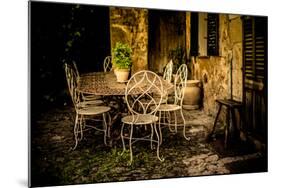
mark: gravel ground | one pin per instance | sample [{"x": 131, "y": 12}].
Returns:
[{"x": 54, "y": 163}]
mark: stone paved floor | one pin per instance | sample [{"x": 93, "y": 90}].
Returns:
[{"x": 53, "y": 163}]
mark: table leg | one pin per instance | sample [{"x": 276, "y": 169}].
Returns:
[{"x": 118, "y": 107}]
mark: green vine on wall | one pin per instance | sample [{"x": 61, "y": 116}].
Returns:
[{"x": 73, "y": 32}]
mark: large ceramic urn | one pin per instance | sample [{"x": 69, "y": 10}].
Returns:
[{"x": 192, "y": 95}]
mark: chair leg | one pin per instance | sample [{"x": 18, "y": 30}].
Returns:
[
  {"x": 158, "y": 143},
  {"x": 75, "y": 131},
  {"x": 109, "y": 123},
  {"x": 184, "y": 124},
  {"x": 151, "y": 137},
  {"x": 104, "y": 128},
  {"x": 169, "y": 117},
  {"x": 170, "y": 124},
  {"x": 81, "y": 122},
  {"x": 176, "y": 122},
  {"x": 122, "y": 138},
  {"x": 169, "y": 121},
  {"x": 159, "y": 124},
  {"x": 165, "y": 117},
  {"x": 130, "y": 143}
]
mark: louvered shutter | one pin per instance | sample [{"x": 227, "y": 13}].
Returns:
[
  {"x": 260, "y": 48},
  {"x": 255, "y": 45},
  {"x": 255, "y": 76},
  {"x": 213, "y": 34}
]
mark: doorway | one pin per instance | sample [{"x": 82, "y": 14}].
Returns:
[{"x": 167, "y": 32}]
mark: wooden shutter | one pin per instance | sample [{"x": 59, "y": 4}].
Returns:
[
  {"x": 213, "y": 34},
  {"x": 255, "y": 48},
  {"x": 260, "y": 48},
  {"x": 255, "y": 75},
  {"x": 248, "y": 46}
]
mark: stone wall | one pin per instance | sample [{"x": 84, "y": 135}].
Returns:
[
  {"x": 214, "y": 71},
  {"x": 130, "y": 25}
]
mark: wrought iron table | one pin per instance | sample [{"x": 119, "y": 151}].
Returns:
[{"x": 105, "y": 84}]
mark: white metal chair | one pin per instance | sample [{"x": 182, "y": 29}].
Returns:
[
  {"x": 107, "y": 65},
  {"x": 165, "y": 110},
  {"x": 83, "y": 109},
  {"x": 168, "y": 72},
  {"x": 167, "y": 76},
  {"x": 146, "y": 83},
  {"x": 86, "y": 97}
]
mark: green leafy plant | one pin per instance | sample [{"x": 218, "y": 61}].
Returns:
[
  {"x": 178, "y": 56},
  {"x": 121, "y": 57},
  {"x": 73, "y": 34}
]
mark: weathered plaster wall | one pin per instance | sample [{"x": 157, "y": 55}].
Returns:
[
  {"x": 235, "y": 34},
  {"x": 214, "y": 71},
  {"x": 130, "y": 25}
]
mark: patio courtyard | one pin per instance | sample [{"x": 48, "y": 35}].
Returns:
[
  {"x": 54, "y": 163},
  {"x": 209, "y": 61}
]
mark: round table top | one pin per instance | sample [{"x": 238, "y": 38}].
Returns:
[{"x": 105, "y": 83}]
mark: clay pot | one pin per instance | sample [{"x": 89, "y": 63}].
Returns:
[
  {"x": 122, "y": 75},
  {"x": 192, "y": 95}
]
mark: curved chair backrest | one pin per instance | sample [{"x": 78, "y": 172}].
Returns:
[
  {"x": 141, "y": 86},
  {"x": 75, "y": 69},
  {"x": 72, "y": 84},
  {"x": 107, "y": 65},
  {"x": 168, "y": 71},
  {"x": 180, "y": 83}
]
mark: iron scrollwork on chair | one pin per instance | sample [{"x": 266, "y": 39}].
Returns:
[
  {"x": 165, "y": 110},
  {"x": 142, "y": 85},
  {"x": 168, "y": 72},
  {"x": 107, "y": 64},
  {"x": 84, "y": 109}
]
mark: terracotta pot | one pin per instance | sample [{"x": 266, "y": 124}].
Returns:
[
  {"x": 122, "y": 75},
  {"x": 192, "y": 95},
  {"x": 114, "y": 71}
]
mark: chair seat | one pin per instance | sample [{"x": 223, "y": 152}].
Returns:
[
  {"x": 89, "y": 103},
  {"x": 140, "y": 119},
  {"x": 91, "y": 97},
  {"x": 168, "y": 107},
  {"x": 93, "y": 110},
  {"x": 157, "y": 100},
  {"x": 164, "y": 100}
]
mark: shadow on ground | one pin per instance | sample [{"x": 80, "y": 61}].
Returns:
[{"x": 54, "y": 163}]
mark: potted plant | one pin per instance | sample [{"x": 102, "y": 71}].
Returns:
[
  {"x": 122, "y": 61},
  {"x": 177, "y": 55}
]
